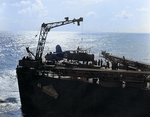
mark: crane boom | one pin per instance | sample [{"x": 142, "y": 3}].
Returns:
[{"x": 45, "y": 28}]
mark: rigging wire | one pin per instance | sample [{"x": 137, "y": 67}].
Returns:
[
  {"x": 37, "y": 32},
  {"x": 33, "y": 38},
  {"x": 80, "y": 37},
  {"x": 82, "y": 31}
]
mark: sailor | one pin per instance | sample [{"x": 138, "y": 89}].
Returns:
[
  {"x": 125, "y": 63},
  {"x": 78, "y": 49},
  {"x": 118, "y": 64},
  {"x": 95, "y": 62},
  {"x": 24, "y": 58},
  {"x": 113, "y": 65},
  {"x": 101, "y": 62},
  {"x": 123, "y": 58},
  {"x": 107, "y": 62}
]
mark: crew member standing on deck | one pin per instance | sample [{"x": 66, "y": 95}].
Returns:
[
  {"x": 107, "y": 63},
  {"x": 78, "y": 49},
  {"x": 125, "y": 63},
  {"x": 101, "y": 63}
]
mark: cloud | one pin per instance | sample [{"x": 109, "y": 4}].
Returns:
[
  {"x": 21, "y": 3},
  {"x": 69, "y": 2},
  {"x": 35, "y": 8},
  {"x": 91, "y": 1},
  {"x": 90, "y": 13},
  {"x": 2, "y": 6},
  {"x": 83, "y": 2},
  {"x": 25, "y": 2},
  {"x": 123, "y": 15},
  {"x": 142, "y": 9}
]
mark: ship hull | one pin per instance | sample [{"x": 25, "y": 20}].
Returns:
[{"x": 76, "y": 98}]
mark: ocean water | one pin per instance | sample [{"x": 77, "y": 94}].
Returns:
[{"x": 134, "y": 46}]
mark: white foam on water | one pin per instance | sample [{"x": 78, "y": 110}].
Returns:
[
  {"x": 7, "y": 107},
  {"x": 9, "y": 94}
]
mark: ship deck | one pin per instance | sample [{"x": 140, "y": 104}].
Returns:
[{"x": 108, "y": 75}]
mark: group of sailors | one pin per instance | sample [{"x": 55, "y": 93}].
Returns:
[{"x": 107, "y": 64}]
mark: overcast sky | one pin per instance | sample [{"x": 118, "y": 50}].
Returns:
[{"x": 98, "y": 15}]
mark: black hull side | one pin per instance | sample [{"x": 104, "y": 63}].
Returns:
[
  {"x": 78, "y": 99},
  {"x": 26, "y": 90}
]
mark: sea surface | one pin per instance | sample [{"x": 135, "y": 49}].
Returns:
[{"x": 134, "y": 46}]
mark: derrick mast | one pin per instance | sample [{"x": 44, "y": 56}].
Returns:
[{"x": 45, "y": 28}]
